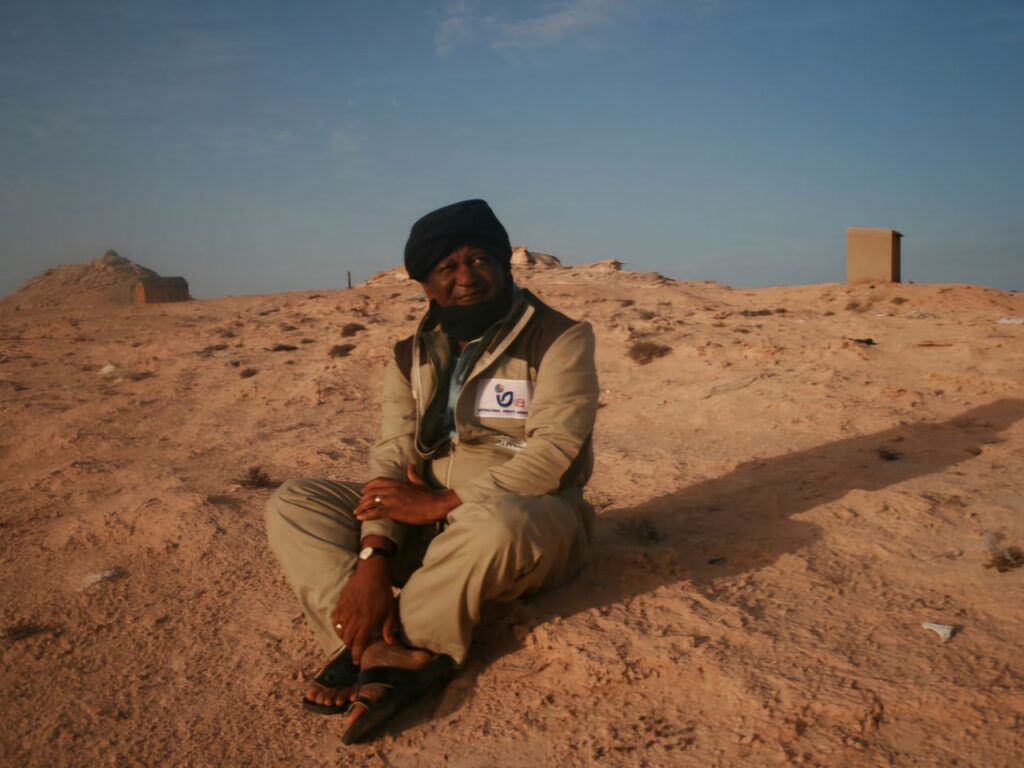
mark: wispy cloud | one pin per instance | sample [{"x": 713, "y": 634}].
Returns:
[
  {"x": 553, "y": 27},
  {"x": 456, "y": 25},
  {"x": 463, "y": 21}
]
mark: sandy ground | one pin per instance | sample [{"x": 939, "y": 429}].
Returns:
[{"x": 781, "y": 509}]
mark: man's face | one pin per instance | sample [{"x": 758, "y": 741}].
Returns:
[{"x": 465, "y": 277}]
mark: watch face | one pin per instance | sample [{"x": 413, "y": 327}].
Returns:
[{"x": 366, "y": 553}]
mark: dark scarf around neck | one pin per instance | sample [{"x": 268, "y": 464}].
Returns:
[{"x": 467, "y": 323}]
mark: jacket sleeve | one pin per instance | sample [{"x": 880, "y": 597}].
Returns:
[
  {"x": 395, "y": 447},
  {"x": 561, "y": 419}
]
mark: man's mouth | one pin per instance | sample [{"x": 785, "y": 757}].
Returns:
[{"x": 470, "y": 298}]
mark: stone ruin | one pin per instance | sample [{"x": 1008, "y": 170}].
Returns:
[
  {"x": 160, "y": 290},
  {"x": 872, "y": 255}
]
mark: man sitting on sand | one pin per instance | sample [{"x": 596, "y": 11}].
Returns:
[{"x": 485, "y": 445}]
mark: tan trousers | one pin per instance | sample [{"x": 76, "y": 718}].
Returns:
[{"x": 498, "y": 550}]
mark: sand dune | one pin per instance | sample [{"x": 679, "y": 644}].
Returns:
[{"x": 802, "y": 478}]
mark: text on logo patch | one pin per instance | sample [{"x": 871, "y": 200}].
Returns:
[{"x": 504, "y": 398}]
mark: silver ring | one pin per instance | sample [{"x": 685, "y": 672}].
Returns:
[
  {"x": 337, "y": 626},
  {"x": 376, "y": 499}
]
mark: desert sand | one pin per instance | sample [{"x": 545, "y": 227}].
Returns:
[{"x": 781, "y": 508}]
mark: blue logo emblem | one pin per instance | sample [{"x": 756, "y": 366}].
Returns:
[{"x": 504, "y": 398}]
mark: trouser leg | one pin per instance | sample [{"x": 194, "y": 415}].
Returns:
[
  {"x": 498, "y": 550},
  {"x": 315, "y": 536}
]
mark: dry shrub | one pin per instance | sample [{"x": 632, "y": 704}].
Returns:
[
  {"x": 246, "y": 373},
  {"x": 639, "y": 530},
  {"x": 341, "y": 350},
  {"x": 1005, "y": 559},
  {"x": 351, "y": 329},
  {"x": 208, "y": 351},
  {"x": 257, "y": 477},
  {"x": 642, "y": 352},
  {"x": 23, "y": 630},
  {"x": 283, "y": 348}
]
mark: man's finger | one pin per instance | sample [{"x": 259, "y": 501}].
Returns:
[
  {"x": 383, "y": 494},
  {"x": 380, "y": 484},
  {"x": 348, "y": 633},
  {"x": 370, "y": 501},
  {"x": 388, "y": 630},
  {"x": 359, "y": 645},
  {"x": 410, "y": 473},
  {"x": 371, "y": 510}
]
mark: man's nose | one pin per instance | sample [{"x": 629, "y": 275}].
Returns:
[{"x": 467, "y": 274}]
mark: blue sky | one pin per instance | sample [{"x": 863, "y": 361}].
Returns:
[{"x": 264, "y": 146}]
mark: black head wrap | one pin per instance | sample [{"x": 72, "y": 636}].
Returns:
[{"x": 471, "y": 222}]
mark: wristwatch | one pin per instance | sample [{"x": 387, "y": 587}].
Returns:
[{"x": 367, "y": 552}]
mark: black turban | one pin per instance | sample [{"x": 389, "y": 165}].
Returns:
[{"x": 471, "y": 222}]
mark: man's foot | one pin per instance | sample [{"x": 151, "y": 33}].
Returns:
[
  {"x": 391, "y": 676},
  {"x": 330, "y": 691}
]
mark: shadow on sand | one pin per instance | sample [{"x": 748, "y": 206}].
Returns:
[
  {"x": 746, "y": 517},
  {"x": 744, "y": 520}
]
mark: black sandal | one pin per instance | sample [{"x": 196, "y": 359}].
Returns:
[
  {"x": 339, "y": 672},
  {"x": 403, "y": 686}
]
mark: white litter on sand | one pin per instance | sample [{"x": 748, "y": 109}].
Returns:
[
  {"x": 945, "y": 631},
  {"x": 96, "y": 578},
  {"x": 1011, "y": 321}
]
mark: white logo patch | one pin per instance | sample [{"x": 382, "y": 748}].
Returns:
[{"x": 503, "y": 398}]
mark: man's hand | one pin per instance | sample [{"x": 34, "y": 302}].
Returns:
[
  {"x": 411, "y": 501},
  {"x": 366, "y": 608}
]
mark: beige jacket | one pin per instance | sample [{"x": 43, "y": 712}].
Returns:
[{"x": 523, "y": 418}]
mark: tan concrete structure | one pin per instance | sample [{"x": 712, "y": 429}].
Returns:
[
  {"x": 160, "y": 290},
  {"x": 872, "y": 255}
]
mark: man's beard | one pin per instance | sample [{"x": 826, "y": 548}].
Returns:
[{"x": 469, "y": 322}]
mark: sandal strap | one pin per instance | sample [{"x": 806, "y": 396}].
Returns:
[
  {"x": 389, "y": 677},
  {"x": 340, "y": 670},
  {"x": 366, "y": 702}
]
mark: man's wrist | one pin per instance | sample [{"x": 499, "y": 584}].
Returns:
[{"x": 376, "y": 541}]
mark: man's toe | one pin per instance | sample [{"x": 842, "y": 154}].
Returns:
[
  {"x": 328, "y": 697},
  {"x": 317, "y": 694}
]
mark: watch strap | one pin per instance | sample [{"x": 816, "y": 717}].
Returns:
[{"x": 367, "y": 552}]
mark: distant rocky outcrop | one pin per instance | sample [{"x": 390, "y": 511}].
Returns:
[
  {"x": 394, "y": 276},
  {"x": 521, "y": 258},
  {"x": 608, "y": 265},
  {"x": 110, "y": 280}
]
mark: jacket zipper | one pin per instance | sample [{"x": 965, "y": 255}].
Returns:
[{"x": 513, "y": 332}]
